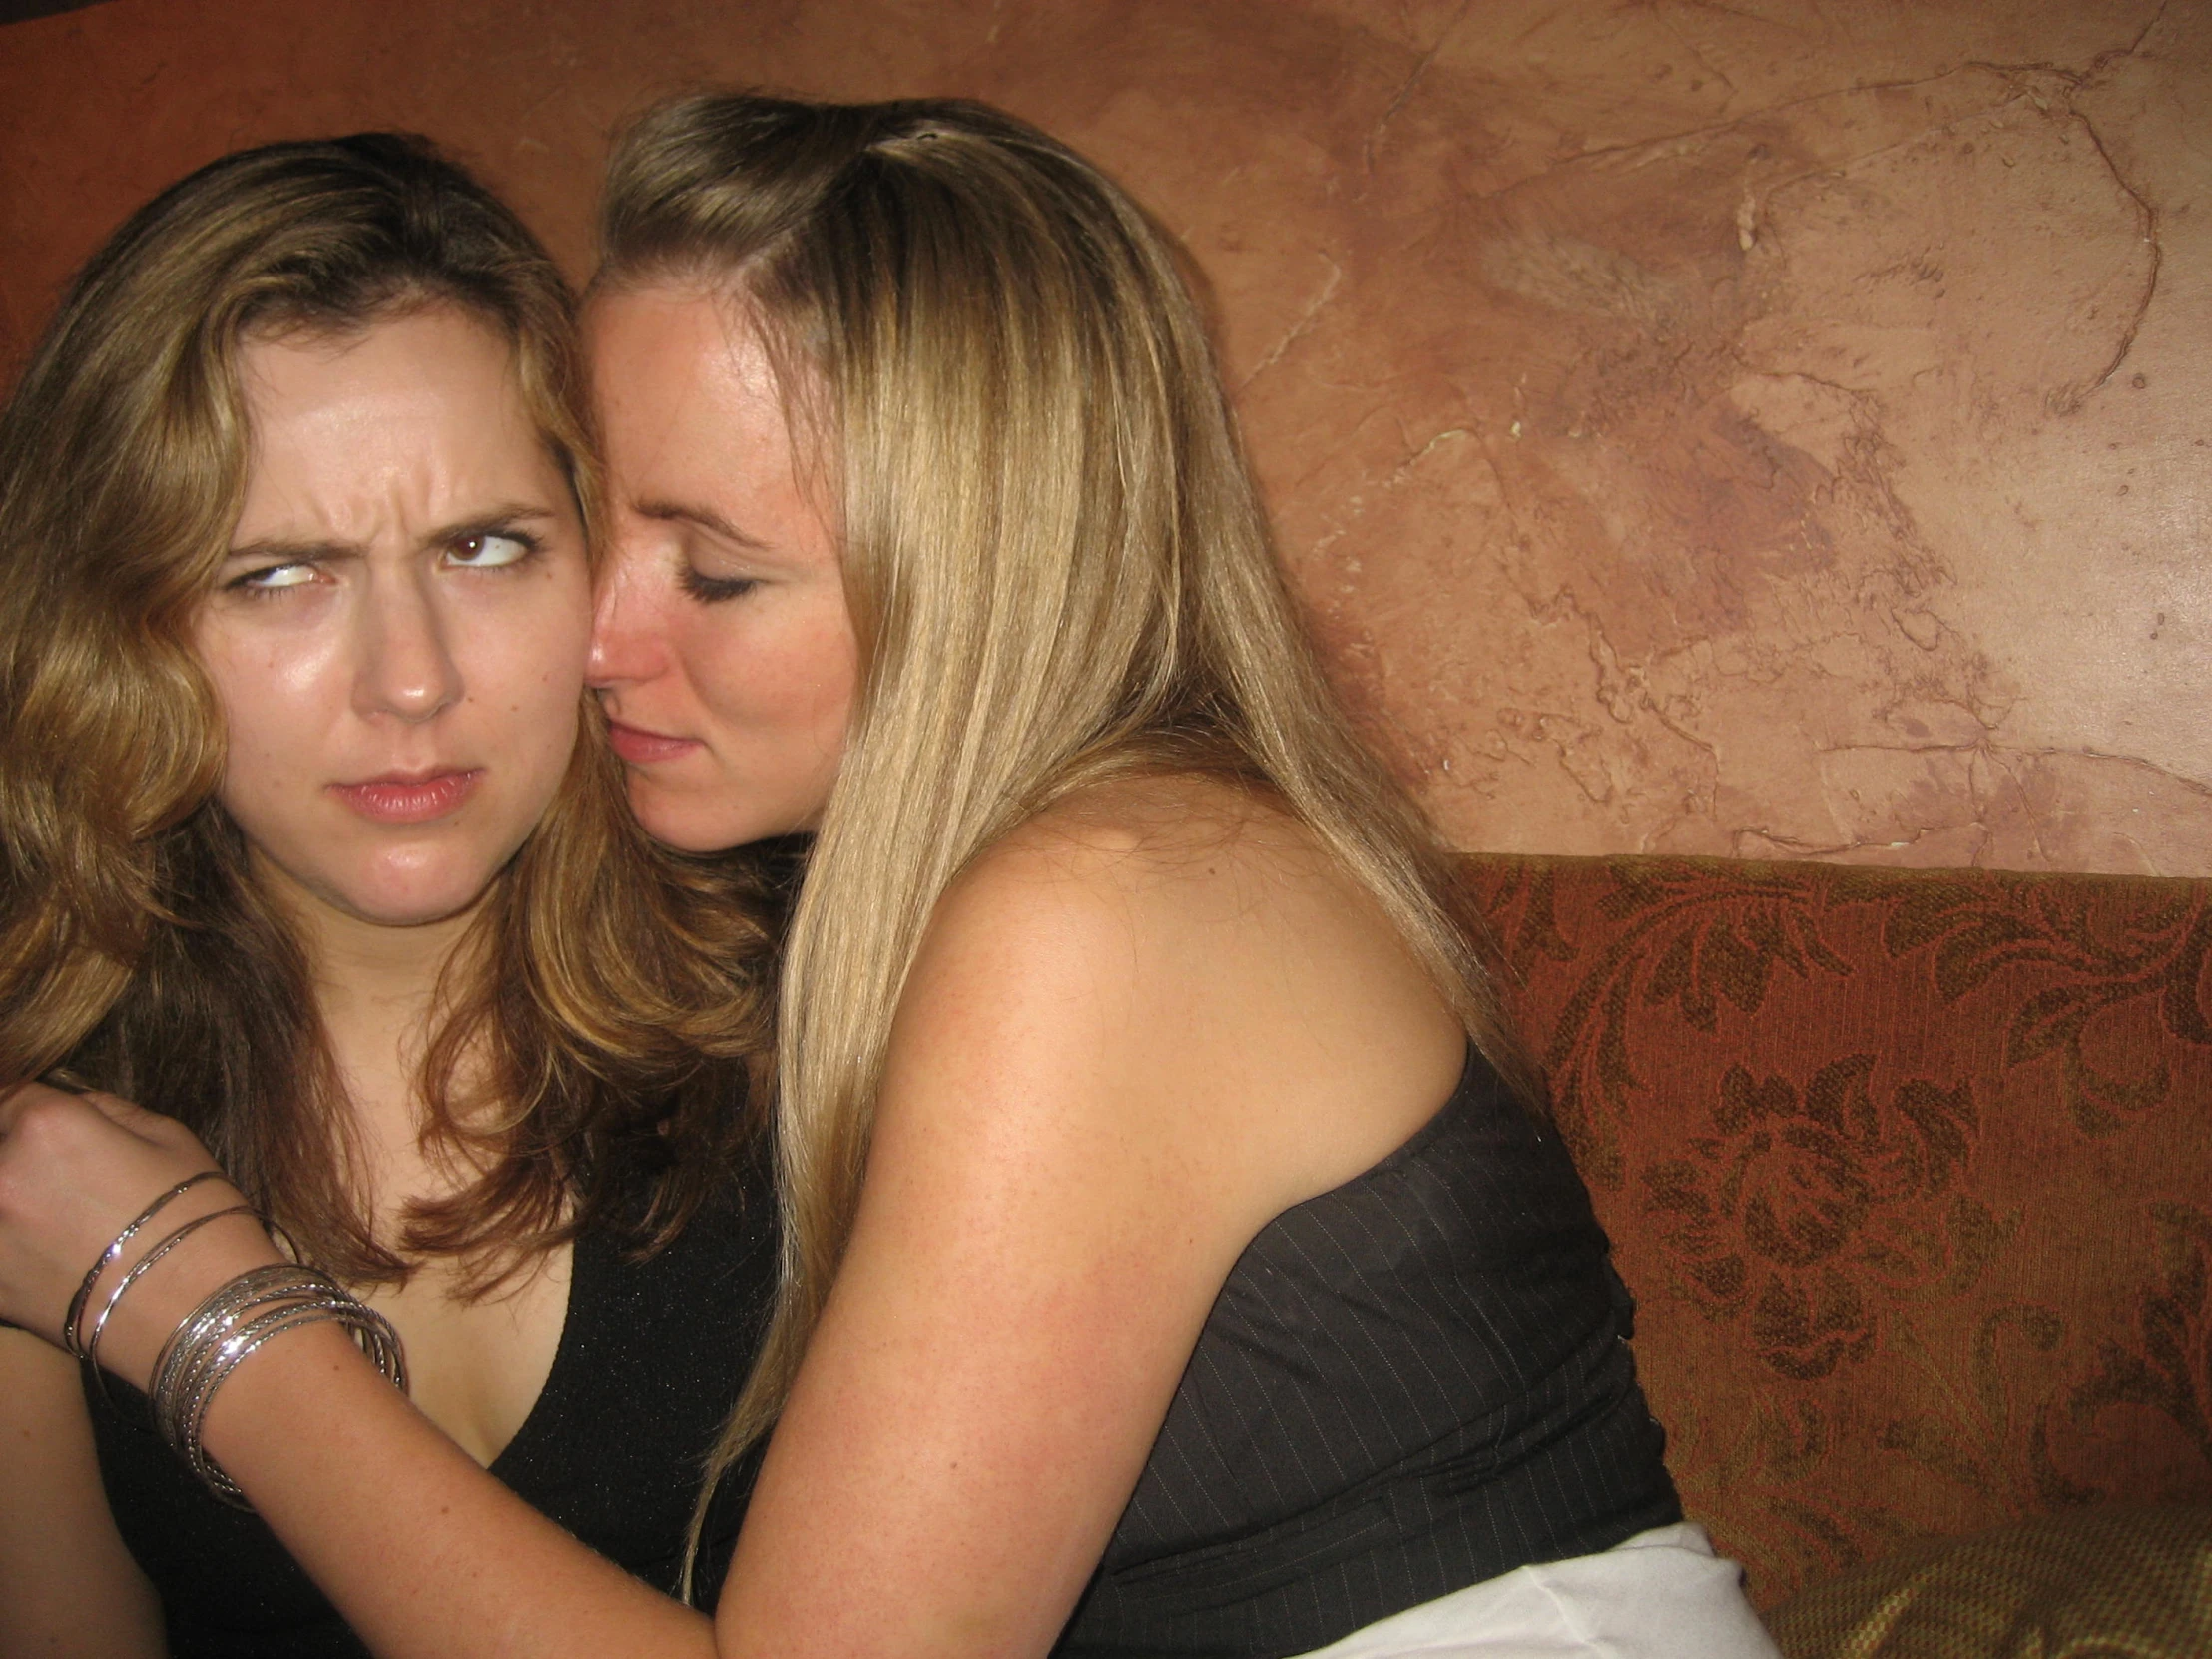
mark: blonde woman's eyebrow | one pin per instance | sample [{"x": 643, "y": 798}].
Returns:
[{"x": 701, "y": 515}]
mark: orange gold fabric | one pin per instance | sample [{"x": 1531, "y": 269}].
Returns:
[{"x": 1910, "y": 1173}]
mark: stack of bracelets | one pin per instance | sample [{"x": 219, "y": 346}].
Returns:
[{"x": 228, "y": 1326}]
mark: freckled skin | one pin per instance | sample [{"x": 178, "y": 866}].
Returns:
[
  {"x": 403, "y": 649},
  {"x": 758, "y": 685}
]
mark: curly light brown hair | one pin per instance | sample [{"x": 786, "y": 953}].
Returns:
[{"x": 596, "y": 1028}]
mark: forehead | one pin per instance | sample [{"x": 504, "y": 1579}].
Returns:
[
  {"x": 422, "y": 357},
  {"x": 685, "y": 380},
  {"x": 427, "y": 405},
  {"x": 649, "y": 342}
]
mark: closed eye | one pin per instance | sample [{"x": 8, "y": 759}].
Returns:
[{"x": 713, "y": 590}]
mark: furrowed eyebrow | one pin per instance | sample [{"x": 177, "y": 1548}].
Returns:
[
  {"x": 310, "y": 552},
  {"x": 705, "y": 518}
]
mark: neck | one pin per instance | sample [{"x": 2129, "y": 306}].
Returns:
[{"x": 374, "y": 987}]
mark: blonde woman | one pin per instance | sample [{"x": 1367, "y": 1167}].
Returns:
[
  {"x": 309, "y": 845},
  {"x": 1175, "y": 1262}
]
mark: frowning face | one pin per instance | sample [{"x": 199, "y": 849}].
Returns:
[{"x": 398, "y": 634}]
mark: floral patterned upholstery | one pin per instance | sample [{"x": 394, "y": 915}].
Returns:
[{"x": 1912, "y": 1173}]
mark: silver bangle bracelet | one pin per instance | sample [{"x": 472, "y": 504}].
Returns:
[
  {"x": 222, "y": 1308},
  {"x": 233, "y": 1320},
  {"x": 382, "y": 1344},
  {"x": 100, "y": 1323},
  {"x": 69, "y": 1325},
  {"x": 217, "y": 1319}
]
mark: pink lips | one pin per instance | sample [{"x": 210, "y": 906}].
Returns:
[
  {"x": 642, "y": 748},
  {"x": 401, "y": 800}
]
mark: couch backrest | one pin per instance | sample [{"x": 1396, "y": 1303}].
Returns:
[{"x": 1912, "y": 1173}]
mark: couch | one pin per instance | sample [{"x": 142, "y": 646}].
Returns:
[{"x": 1911, "y": 1172}]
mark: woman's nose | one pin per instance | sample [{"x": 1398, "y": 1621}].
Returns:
[
  {"x": 625, "y": 635},
  {"x": 406, "y": 667}
]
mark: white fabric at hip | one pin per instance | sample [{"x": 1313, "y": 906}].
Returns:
[{"x": 1662, "y": 1594}]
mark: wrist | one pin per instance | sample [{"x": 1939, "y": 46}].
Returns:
[
  {"x": 257, "y": 1406},
  {"x": 234, "y": 1323},
  {"x": 167, "y": 1292}
]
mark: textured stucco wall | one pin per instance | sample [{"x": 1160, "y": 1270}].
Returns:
[{"x": 1771, "y": 428}]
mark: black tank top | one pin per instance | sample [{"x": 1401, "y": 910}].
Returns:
[
  {"x": 651, "y": 1356},
  {"x": 1408, "y": 1385}
]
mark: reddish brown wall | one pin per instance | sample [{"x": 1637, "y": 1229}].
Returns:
[{"x": 1778, "y": 427}]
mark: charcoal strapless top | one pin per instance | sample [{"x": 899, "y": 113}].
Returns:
[
  {"x": 651, "y": 1356},
  {"x": 1410, "y": 1383}
]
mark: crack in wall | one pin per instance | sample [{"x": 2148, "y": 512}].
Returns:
[
  {"x": 1356, "y": 506},
  {"x": 1404, "y": 468},
  {"x": 1720, "y": 129},
  {"x": 1408, "y": 87},
  {"x": 1297, "y": 330},
  {"x": 1662, "y": 142},
  {"x": 2135, "y": 46},
  {"x": 2071, "y": 401},
  {"x": 1798, "y": 848},
  {"x": 1986, "y": 811}
]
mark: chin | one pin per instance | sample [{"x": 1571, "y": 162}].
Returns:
[
  {"x": 415, "y": 897},
  {"x": 688, "y": 824},
  {"x": 411, "y": 910}
]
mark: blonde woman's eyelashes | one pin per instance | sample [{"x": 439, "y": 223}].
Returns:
[{"x": 713, "y": 590}]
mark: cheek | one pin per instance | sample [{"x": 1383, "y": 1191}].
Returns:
[
  {"x": 825, "y": 675},
  {"x": 792, "y": 673},
  {"x": 275, "y": 719},
  {"x": 252, "y": 666},
  {"x": 545, "y": 666},
  {"x": 274, "y": 764},
  {"x": 532, "y": 719},
  {"x": 255, "y": 772},
  {"x": 724, "y": 658}
]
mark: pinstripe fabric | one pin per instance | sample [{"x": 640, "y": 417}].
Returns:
[{"x": 1415, "y": 1381}]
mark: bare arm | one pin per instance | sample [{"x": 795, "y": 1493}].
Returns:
[
  {"x": 1113, "y": 1065},
  {"x": 419, "y": 1549},
  {"x": 1100, "y": 1087},
  {"x": 68, "y": 1587}
]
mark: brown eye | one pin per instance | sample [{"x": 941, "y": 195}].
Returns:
[{"x": 492, "y": 550}]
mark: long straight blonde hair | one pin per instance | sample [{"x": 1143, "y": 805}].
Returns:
[{"x": 1056, "y": 562}]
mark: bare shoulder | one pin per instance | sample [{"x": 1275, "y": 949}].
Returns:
[
  {"x": 1139, "y": 1027},
  {"x": 38, "y": 1387},
  {"x": 1168, "y": 851},
  {"x": 67, "y": 1584},
  {"x": 1197, "y": 946}
]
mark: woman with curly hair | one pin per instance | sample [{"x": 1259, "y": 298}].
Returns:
[{"x": 309, "y": 840}]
